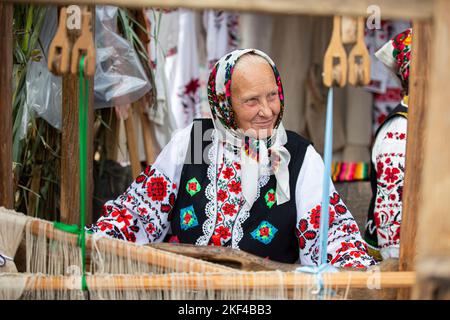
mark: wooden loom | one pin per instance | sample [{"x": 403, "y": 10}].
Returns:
[
  {"x": 426, "y": 189},
  {"x": 179, "y": 270}
]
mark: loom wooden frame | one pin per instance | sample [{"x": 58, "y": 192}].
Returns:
[
  {"x": 425, "y": 138},
  {"x": 226, "y": 281}
]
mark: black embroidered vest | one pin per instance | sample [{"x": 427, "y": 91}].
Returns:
[
  {"x": 268, "y": 232},
  {"x": 370, "y": 234}
]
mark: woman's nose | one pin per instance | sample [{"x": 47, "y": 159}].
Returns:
[{"x": 265, "y": 110}]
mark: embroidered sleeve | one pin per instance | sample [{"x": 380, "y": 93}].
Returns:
[
  {"x": 345, "y": 245},
  {"x": 389, "y": 159},
  {"x": 142, "y": 213}
]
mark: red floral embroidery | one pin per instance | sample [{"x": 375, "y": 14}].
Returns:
[
  {"x": 391, "y": 175},
  {"x": 150, "y": 228},
  {"x": 142, "y": 211},
  {"x": 264, "y": 231},
  {"x": 157, "y": 188},
  {"x": 304, "y": 234},
  {"x": 356, "y": 254},
  {"x": 187, "y": 218},
  {"x": 340, "y": 209},
  {"x": 122, "y": 216},
  {"x": 395, "y": 135},
  {"x": 224, "y": 232},
  {"x": 222, "y": 195},
  {"x": 192, "y": 186},
  {"x": 191, "y": 87},
  {"x": 315, "y": 217},
  {"x": 219, "y": 217},
  {"x": 235, "y": 187},
  {"x": 130, "y": 236},
  {"x": 229, "y": 197},
  {"x": 229, "y": 209},
  {"x": 346, "y": 246},
  {"x": 149, "y": 171},
  {"x": 215, "y": 240},
  {"x": 350, "y": 228},
  {"x": 380, "y": 169},
  {"x": 135, "y": 215},
  {"x": 141, "y": 178},
  {"x": 104, "y": 225},
  {"x": 335, "y": 199},
  {"x": 228, "y": 173},
  {"x": 106, "y": 210}
]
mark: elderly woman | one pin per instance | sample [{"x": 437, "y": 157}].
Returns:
[{"x": 238, "y": 180}]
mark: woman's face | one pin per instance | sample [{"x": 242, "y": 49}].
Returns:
[{"x": 254, "y": 97}]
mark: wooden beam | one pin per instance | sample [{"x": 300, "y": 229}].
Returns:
[
  {"x": 417, "y": 114},
  {"x": 224, "y": 281},
  {"x": 70, "y": 155},
  {"x": 132, "y": 143},
  {"x": 399, "y": 9},
  {"x": 6, "y": 121},
  {"x": 147, "y": 133},
  {"x": 70, "y": 163},
  {"x": 433, "y": 261}
]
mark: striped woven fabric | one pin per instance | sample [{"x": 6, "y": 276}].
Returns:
[{"x": 350, "y": 171}]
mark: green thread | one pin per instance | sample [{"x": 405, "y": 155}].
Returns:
[
  {"x": 70, "y": 228},
  {"x": 83, "y": 106}
]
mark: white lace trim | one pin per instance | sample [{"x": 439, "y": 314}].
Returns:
[
  {"x": 211, "y": 195},
  {"x": 244, "y": 213},
  {"x": 211, "y": 206}
]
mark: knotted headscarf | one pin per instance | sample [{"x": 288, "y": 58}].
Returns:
[
  {"x": 396, "y": 55},
  {"x": 258, "y": 156}
]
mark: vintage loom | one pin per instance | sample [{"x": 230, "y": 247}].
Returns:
[
  {"x": 116, "y": 269},
  {"x": 51, "y": 261}
]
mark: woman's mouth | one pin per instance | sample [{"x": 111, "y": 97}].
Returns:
[{"x": 264, "y": 123}]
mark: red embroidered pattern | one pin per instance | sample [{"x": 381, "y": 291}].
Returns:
[
  {"x": 157, "y": 188},
  {"x": 388, "y": 202},
  {"x": 395, "y": 135},
  {"x": 229, "y": 198},
  {"x": 345, "y": 246},
  {"x": 142, "y": 212}
]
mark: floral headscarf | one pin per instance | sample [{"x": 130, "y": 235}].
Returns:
[
  {"x": 396, "y": 56},
  {"x": 257, "y": 156},
  {"x": 219, "y": 87}
]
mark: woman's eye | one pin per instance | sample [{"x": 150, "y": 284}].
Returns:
[
  {"x": 252, "y": 101},
  {"x": 273, "y": 95}
]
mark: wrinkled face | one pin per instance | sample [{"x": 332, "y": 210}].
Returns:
[{"x": 254, "y": 96}]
